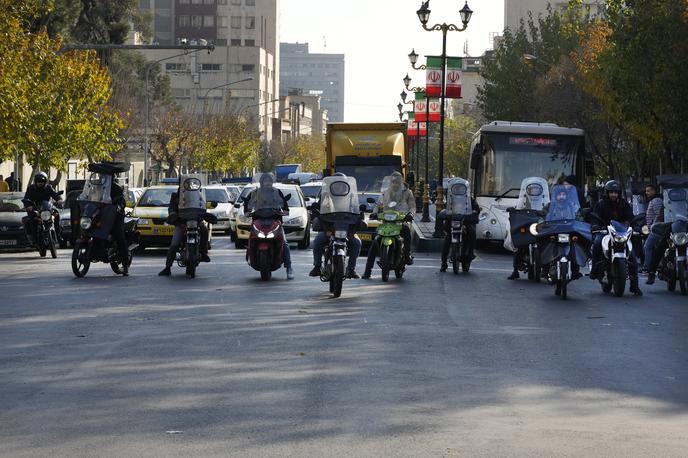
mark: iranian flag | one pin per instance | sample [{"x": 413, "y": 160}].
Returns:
[
  {"x": 433, "y": 76},
  {"x": 434, "y": 110},
  {"x": 453, "y": 90},
  {"x": 416, "y": 128},
  {"x": 420, "y": 107}
]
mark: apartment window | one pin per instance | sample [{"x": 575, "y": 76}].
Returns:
[
  {"x": 179, "y": 93},
  {"x": 250, "y": 22},
  {"x": 235, "y": 42},
  {"x": 196, "y": 21},
  {"x": 196, "y": 2},
  {"x": 208, "y": 21},
  {"x": 235, "y": 2},
  {"x": 236, "y": 22},
  {"x": 209, "y": 2},
  {"x": 222, "y": 21},
  {"x": 211, "y": 67},
  {"x": 250, "y": 2},
  {"x": 175, "y": 67},
  {"x": 184, "y": 21},
  {"x": 221, "y": 2},
  {"x": 249, "y": 42},
  {"x": 248, "y": 68}
]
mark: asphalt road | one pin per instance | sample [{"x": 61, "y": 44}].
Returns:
[{"x": 432, "y": 365}]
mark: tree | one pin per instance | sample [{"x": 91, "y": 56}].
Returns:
[
  {"x": 458, "y": 136},
  {"x": 228, "y": 145},
  {"x": 307, "y": 150}
]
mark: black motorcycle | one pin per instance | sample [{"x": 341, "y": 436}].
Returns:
[
  {"x": 189, "y": 253},
  {"x": 460, "y": 252},
  {"x": 672, "y": 268},
  {"x": 44, "y": 215},
  {"x": 338, "y": 227},
  {"x": 520, "y": 221},
  {"x": 96, "y": 244}
]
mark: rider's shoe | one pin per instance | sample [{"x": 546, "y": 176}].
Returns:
[
  {"x": 409, "y": 260},
  {"x": 205, "y": 257},
  {"x": 514, "y": 275},
  {"x": 650, "y": 278},
  {"x": 351, "y": 273},
  {"x": 125, "y": 271},
  {"x": 166, "y": 272},
  {"x": 444, "y": 267},
  {"x": 290, "y": 273},
  {"x": 593, "y": 274},
  {"x": 366, "y": 274},
  {"x": 316, "y": 272},
  {"x": 635, "y": 290}
]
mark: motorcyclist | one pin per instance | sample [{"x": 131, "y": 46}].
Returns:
[
  {"x": 534, "y": 195},
  {"x": 613, "y": 207},
  {"x": 406, "y": 203},
  {"x": 268, "y": 192},
  {"x": 320, "y": 242},
  {"x": 178, "y": 236},
  {"x": 653, "y": 214},
  {"x": 38, "y": 192},
  {"x": 469, "y": 225},
  {"x": 117, "y": 229}
]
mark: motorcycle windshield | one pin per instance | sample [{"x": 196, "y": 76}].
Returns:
[
  {"x": 97, "y": 189},
  {"x": 520, "y": 222},
  {"x": 675, "y": 204},
  {"x": 564, "y": 205},
  {"x": 459, "y": 197},
  {"x": 619, "y": 228},
  {"x": 191, "y": 193},
  {"x": 393, "y": 196},
  {"x": 265, "y": 198},
  {"x": 580, "y": 228},
  {"x": 534, "y": 194},
  {"x": 339, "y": 195}
]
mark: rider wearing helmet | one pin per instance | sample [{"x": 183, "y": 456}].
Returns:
[
  {"x": 38, "y": 192},
  {"x": 613, "y": 207}
]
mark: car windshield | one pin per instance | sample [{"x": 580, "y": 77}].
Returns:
[
  {"x": 11, "y": 204},
  {"x": 295, "y": 199},
  {"x": 233, "y": 193},
  {"x": 311, "y": 190},
  {"x": 156, "y": 197},
  {"x": 216, "y": 195},
  {"x": 245, "y": 192}
]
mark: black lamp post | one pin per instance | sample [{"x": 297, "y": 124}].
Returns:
[
  {"x": 413, "y": 58},
  {"x": 424, "y": 17}
]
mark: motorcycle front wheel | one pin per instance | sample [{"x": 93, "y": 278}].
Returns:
[
  {"x": 337, "y": 278},
  {"x": 385, "y": 262},
  {"x": 264, "y": 263},
  {"x": 681, "y": 274},
  {"x": 51, "y": 247},
  {"x": 620, "y": 274},
  {"x": 81, "y": 260}
]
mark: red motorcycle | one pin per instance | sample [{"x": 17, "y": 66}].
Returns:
[{"x": 266, "y": 242}]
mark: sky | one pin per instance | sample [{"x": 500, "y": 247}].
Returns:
[{"x": 376, "y": 37}]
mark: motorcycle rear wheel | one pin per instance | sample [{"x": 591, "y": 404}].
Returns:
[
  {"x": 563, "y": 279},
  {"x": 620, "y": 275},
  {"x": 337, "y": 276},
  {"x": 80, "y": 266},
  {"x": 455, "y": 258},
  {"x": 681, "y": 272},
  {"x": 385, "y": 262}
]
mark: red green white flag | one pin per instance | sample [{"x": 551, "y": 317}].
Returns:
[
  {"x": 416, "y": 128},
  {"x": 420, "y": 107},
  {"x": 453, "y": 88},
  {"x": 434, "y": 110},
  {"x": 433, "y": 76}
]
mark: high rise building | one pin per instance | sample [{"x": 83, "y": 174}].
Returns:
[
  {"x": 313, "y": 74},
  {"x": 245, "y": 34},
  {"x": 517, "y": 10}
]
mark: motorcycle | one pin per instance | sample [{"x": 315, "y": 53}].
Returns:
[
  {"x": 672, "y": 267},
  {"x": 390, "y": 242},
  {"x": 46, "y": 232},
  {"x": 338, "y": 200},
  {"x": 265, "y": 251},
  {"x": 520, "y": 221},
  {"x": 460, "y": 214},
  {"x": 617, "y": 247},
  {"x": 561, "y": 239}
]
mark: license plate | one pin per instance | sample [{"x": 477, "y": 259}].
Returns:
[
  {"x": 8, "y": 242},
  {"x": 163, "y": 230},
  {"x": 365, "y": 237}
]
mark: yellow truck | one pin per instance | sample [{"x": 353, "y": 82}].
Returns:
[{"x": 369, "y": 152}]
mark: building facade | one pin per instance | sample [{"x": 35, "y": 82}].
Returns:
[
  {"x": 517, "y": 10},
  {"x": 313, "y": 74}
]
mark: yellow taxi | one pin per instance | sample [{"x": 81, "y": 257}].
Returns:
[{"x": 152, "y": 211}]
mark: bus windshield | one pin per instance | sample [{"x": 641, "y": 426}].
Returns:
[{"x": 509, "y": 158}]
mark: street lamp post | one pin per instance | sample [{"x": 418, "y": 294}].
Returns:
[
  {"x": 424, "y": 16},
  {"x": 146, "y": 133},
  {"x": 413, "y": 58},
  {"x": 205, "y": 95}
]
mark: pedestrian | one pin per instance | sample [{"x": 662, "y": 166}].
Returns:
[
  {"x": 4, "y": 186},
  {"x": 13, "y": 183}
]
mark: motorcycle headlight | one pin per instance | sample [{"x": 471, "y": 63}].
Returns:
[
  {"x": 679, "y": 238},
  {"x": 271, "y": 235},
  {"x": 261, "y": 235},
  {"x": 340, "y": 234},
  {"x": 192, "y": 224},
  {"x": 533, "y": 229},
  {"x": 46, "y": 215},
  {"x": 620, "y": 238},
  {"x": 85, "y": 223},
  {"x": 390, "y": 217},
  {"x": 563, "y": 238},
  {"x": 645, "y": 230}
]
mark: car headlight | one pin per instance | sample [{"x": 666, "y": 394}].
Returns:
[
  {"x": 46, "y": 215},
  {"x": 340, "y": 234},
  {"x": 298, "y": 221},
  {"x": 143, "y": 221},
  {"x": 563, "y": 238},
  {"x": 85, "y": 223},
  {"x": 679, "y": 238}
]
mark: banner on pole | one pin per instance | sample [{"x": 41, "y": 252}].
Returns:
[
  {"x": 453, "y": 88},
  {"x": 434, "y": 110},
  {"x": 433, "y": 76},
  {"x": 416, "y": 128},
  {"x": 420, "y": 107}
]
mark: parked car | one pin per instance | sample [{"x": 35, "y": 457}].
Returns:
[
  {"x": 296, "y": 225},
  {"x": 151, "y": 209},
  {"x": 220, "y": 206},
  {"x": 312, "y": 190},
  {"x": 133, "y": 196},
  {"x": 12, "y": 235},
  {"x": 235, "y": 212},
  {"x": 233, "y": 191}
]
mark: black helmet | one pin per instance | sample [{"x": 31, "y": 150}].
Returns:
[
  {"x": 612, "y": 186},
  {"x": 40, "y": 177}
]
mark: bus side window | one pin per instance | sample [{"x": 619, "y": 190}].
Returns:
[{"x": 477, "y": 156}]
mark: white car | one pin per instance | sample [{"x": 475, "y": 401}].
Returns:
[
  {"x": 312, "y": 190},
  {"x": 296, "y": 225},
  {"x": 221, "y": 202}
]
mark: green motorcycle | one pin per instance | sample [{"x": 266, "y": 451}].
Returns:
[{"x": 390, "y": 243}]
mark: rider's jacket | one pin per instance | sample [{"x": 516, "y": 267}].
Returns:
[
  {"x": 619, "y": 211},
  {"x": 38, "y": 195}
]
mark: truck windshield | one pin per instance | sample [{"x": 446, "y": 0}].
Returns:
[{"x": 368, "y": 177}]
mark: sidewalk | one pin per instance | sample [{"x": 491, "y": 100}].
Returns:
[{"x": 422, "y": 234}]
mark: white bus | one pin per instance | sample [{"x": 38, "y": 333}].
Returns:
[{"x": 504, "y": 153}]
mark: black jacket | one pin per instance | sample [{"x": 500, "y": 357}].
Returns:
[
  {"x": 38, "y": 195},
  {"x": 619, "y": 211}
]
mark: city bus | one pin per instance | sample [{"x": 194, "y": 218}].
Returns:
[{"x": 504, "y": 153}]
